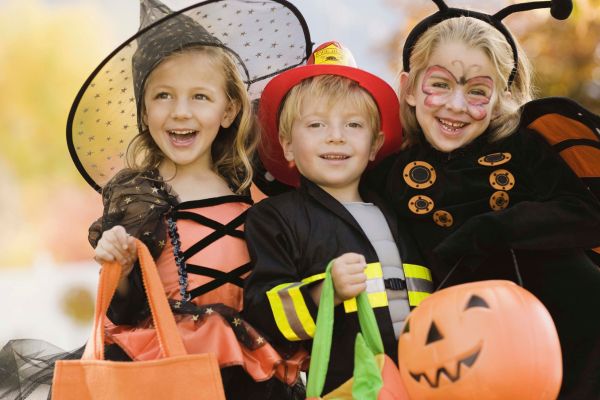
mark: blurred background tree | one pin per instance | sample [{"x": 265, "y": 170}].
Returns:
[
  {"x": 46, "y": 52},
  {"x": 565, "y": 54}
]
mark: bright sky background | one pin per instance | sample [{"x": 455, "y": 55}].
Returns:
[{"x": 358, "y": 24}]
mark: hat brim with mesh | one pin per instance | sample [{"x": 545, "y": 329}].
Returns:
[
  {"x": 264, "y": 38},
  {"x": 270, "y": 151}
]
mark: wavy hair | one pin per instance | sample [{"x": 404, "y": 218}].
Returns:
[
  {"x": 479, "y": 35},
  {"x": 233, "y": 148}
]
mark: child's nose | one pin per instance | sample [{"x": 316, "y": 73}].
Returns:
[
  {"x": 181, "y": 109},
  {"x": 335, "y": 134},
  {"x": 457, "y": 101}
]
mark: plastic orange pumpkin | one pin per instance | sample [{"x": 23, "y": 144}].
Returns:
[{"x": 484, "y": 340}]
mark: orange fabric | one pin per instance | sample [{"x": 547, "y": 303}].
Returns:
[
  {"x": 94, "y": 378},
  {"x": 211, "y": 334},
  {"x": 225, "y": 254},
  {"x": 557, "y": 128},
  {"x": 578, "y": 158},
  {"x": 393, "y": 387},
  {"x": 167, "y": 378}
]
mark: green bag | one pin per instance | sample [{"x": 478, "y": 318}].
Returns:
[{"x": 370, "y": 362}]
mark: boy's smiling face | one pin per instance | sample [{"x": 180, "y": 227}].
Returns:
[{"x": 332, "y": 145}]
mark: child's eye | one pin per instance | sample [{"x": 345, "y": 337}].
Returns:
[
  {"x": 440, "y": 85},
  {"x": 200, "y": 96},
  {"x": 316, "y": 125},
  {"x": 162, "y": 95},
  {"x": 355, "y": 125},
  {"x": 478, "y": 92}
]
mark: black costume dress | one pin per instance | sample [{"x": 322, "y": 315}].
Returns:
[{"x": 475, "y": 207}]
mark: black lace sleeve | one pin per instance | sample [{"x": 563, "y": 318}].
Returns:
[{"x": 137, "y": 201}]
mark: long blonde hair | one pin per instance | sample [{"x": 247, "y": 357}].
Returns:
[
  {"x": 480, "y": 35},
  {"x": 233, "y": 148}
]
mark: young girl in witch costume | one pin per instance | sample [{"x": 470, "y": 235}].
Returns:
[
  {"x": 482, "y": 189},
  {"x": 185, "y": 194}
]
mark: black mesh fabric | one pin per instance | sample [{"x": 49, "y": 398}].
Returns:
[{"x": 264, "y": 38}]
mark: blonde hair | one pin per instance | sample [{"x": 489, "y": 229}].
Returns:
[
  {"x": 479, "y": 35},
  {"x": 333, "y": 89},
  {"x": 233, "y": 148}
]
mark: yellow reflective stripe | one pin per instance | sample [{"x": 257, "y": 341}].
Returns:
[
  {"x": 376, "y": 299},
  {"x": 314, "y": 278},
  {"x": 415, "y": 298},
  {"x": 374, "y": 270},
  {"x": 305, "y": 319},
  {"x": 416, "y": 271},
  {"x": 279, "y": 312}
]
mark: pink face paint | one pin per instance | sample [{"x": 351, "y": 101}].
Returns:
[{"x": 441, "y": 87}]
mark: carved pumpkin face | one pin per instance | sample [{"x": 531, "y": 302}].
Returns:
[{"x": 483, "y": 340}]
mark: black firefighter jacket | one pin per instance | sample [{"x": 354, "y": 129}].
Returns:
[{"x": 291, "y": 238}]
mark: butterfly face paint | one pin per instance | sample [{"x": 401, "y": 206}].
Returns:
[
  {"x": 455, "y": 95},
  {"x": 441, "y": 87}
]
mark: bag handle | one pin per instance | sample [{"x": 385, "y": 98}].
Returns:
[
  {"x": 321, "y": 348},
  {"x": 166, "y": 329}
]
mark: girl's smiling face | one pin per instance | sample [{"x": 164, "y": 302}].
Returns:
[
  {"x": 185, "y": 106},
  {"x": 455, "y": 95}
]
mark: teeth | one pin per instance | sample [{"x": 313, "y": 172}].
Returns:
[
  {"x": 452, "y": 124},
  {"x": 182, "y": 132},
  {"x": 334, "y": 157}
]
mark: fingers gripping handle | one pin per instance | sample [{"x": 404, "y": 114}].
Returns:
[{"x": 164, "y": 322}]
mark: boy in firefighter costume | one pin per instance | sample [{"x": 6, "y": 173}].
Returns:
[
  {"x": 331, "y": 119},
  {"x": 486, "y": 195}
]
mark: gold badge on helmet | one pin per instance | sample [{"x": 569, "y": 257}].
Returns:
[
  {"x": 501, "y": 179},
  {"x": 334, "y": 54},
  {"x": 499, "y": 200},
  {"x": 443, "y": 218},
  {"x": 494, "y": 159},
  {"x": 419, "y": 174},
  {"x": 420, "y": 204}
]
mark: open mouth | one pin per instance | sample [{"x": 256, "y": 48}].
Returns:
[
  {"x": 334, "y": 156},
  {"x": 468, "y": 361},
  {"x": 451, "y": 126},
  {"x": 182, "y": 137}
]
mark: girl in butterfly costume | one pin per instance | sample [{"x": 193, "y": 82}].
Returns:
[{"x": 481, "y": 186}]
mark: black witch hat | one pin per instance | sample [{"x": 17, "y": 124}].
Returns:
[{"x": 264, "y": 38}]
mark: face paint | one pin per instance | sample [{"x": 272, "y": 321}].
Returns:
[{"x": 442, "y": 87}]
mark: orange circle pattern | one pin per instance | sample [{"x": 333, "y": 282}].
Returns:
[
  {"x": 443, "y": 218},
  {"x": 419, "y": 175},
  {"x": 420, "y": 204},
  {"x": 499, "y": 200},
  {"x": 501, "y": 179},
  {"x": 494, "y": 159}
]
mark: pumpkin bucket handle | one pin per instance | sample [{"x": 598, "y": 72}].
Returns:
[{"x": 515, "y": 264}]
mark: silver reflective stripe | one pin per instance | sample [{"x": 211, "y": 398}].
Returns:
[
  {"x": 419, "y": 285},
  {"x": 375, "y": 285}
]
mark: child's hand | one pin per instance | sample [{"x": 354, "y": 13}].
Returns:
[
  {"x": 348, "y": 274},
  {"x": 117, "y": 245}
]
